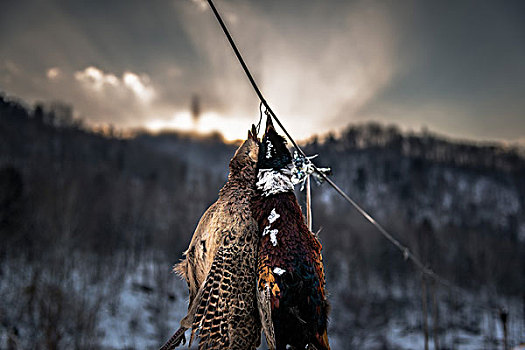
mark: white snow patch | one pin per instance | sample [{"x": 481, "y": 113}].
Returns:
[
  {"x": 266, "y": 230},
  {"x": 273, "y": 237},
  {"x": 271, "y": 181},
  {"x": 273, "y": 216},
  {"x": 273, "y": 234},
  {"x": 269, "y": 147},
  {"x": 447, "y": 200},
  {"x": 278, "y": 271}
]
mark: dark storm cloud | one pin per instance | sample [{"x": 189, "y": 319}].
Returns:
[{"x": 456, "y": 67}]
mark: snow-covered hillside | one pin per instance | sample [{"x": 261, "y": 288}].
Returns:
[{"x": 90, "y": 225}]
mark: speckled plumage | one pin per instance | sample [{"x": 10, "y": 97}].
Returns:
[
  {"x": 291, "y": 282},
  {"x": 220, "y": 264}
]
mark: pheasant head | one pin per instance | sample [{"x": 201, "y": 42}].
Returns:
[
  {"x": 244, "y": 161},
  {"x": 274, "y": 163}
]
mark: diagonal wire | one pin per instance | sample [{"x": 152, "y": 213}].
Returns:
[{"x": 407, "y": 254}]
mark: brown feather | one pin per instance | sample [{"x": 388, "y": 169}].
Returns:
[{"x": 219, "y": 265}]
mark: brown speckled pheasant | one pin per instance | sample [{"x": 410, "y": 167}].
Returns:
[
  {"x": 220, "y": 264},
  {"x": 291, "y": 283}
]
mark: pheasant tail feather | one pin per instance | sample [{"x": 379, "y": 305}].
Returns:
[{"x": 211, "y": 322}]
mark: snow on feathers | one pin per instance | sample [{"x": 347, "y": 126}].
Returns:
[{"x": 271, "y": 181}]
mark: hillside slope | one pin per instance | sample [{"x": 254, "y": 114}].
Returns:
[{"x": 84, "y": 209}]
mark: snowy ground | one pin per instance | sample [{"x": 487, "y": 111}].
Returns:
[{"x": 142, "y": 309}]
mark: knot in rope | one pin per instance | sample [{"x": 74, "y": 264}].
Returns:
[{"x": 303, "y": 168}]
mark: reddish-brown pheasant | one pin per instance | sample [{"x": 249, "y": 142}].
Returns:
[{"x": 291, "y": 283}]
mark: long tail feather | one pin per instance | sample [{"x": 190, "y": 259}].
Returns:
[
  {"x": 175, "y": 340},
  {"x": 210, "y": 318}
]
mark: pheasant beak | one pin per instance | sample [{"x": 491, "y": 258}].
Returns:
[
  {"x": 269, "y": 124},
  {"x": 252, "y": 134}
]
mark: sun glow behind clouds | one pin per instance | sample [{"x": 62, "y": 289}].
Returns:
[
  {"x": 95, "y": 78},
  {"x": 232, "y": 128},
  {"x": 139, "y": 85}
]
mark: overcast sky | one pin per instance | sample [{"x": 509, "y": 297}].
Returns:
[{"x": 456, "y": 67}]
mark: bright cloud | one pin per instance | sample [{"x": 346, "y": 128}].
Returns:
[
  {"x": 139, "y": 85},
  {"x": 201, "y": 3},
  {"x": 95, "y": 79},
  {"x": 53, "y": 73}
]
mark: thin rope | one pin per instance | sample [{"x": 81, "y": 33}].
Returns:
[
  {"x": 407, "y": 254},
  {"x": 308, "y": 203},
  {"x": 249, "y": 75},
  {"x": 258, "y": 127}
]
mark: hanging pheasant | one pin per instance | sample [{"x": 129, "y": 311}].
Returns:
[
  {"x": 220, "y": 264},
  {"x": 291, "y": 285}
]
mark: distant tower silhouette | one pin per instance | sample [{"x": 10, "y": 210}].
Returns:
[{"x": 195, "y": 108}]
